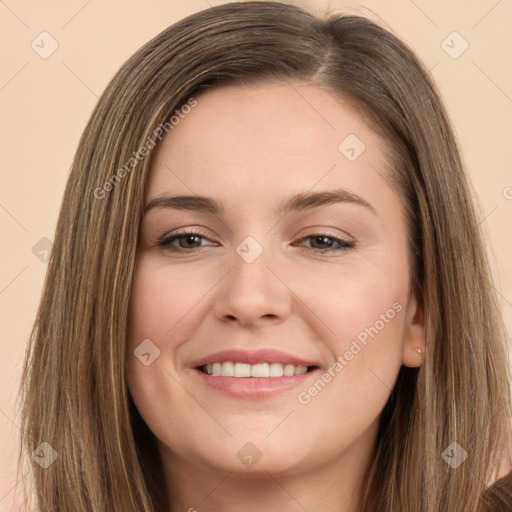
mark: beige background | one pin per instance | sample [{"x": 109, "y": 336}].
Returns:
[{"x": 45, "y": 104}]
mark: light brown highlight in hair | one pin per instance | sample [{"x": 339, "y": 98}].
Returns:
[{"x": 74, "y": 391}]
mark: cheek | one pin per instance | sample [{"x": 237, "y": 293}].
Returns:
[
  {"x": 158, "y": 308},
  {"x": 163, "y": 303},
  {"x": 358, "y": 301},
  {"x": 362, "y": 312},
  {"x": 162, "y": 311},
  {"x": 368, "y": 316}
]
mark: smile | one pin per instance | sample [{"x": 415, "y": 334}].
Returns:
[
  {"x": 259, "y": 370},
  {"x": 253, "y": 374}
]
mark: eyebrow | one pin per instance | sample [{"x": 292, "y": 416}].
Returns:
[{"x": 299, "y": 202}]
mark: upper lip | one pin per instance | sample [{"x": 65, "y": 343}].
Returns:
[{"x": 252, "y": 357}]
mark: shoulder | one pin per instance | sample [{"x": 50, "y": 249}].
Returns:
[{"x": 498, "y": 497}]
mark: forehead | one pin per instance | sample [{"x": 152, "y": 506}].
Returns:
[{"x": 267, "y": 140}]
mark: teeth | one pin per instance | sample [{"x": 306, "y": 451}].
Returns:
[
  {"x": 227, "y": 370},
  {"x": 241, "y": 370},
  {"x": 300, "y": 370},
  {"x": 260, "y": 370},
  {"x": 276, "y": 370},
  {"x": 289, "y": 370},
  {"x": 230, "y": 369}
]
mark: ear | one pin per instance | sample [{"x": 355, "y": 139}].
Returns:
[{"x": 414, "y": 344}]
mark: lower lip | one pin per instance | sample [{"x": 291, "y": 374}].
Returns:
[{"x": 254, "y": 387}]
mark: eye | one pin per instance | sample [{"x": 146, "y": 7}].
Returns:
[
  {"x": 187, "y": 241},
  {"x": 325, "y": 242}
]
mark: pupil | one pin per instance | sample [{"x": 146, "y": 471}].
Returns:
[
  {"x": 323, "y": 240},
  {"x": 190, "y": 239}
]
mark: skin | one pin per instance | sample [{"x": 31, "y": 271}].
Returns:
[{"x": 250, "y": 148}]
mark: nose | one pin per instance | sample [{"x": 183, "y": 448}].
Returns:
[{"x": 253, "y": 292}]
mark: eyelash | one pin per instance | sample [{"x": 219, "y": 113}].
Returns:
[{"x": 167, "y": 241}]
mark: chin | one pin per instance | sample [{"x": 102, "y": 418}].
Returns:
[{"x": 256, "y": 458}]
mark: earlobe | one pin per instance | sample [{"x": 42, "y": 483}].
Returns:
[{"x": 414, "y": 344}]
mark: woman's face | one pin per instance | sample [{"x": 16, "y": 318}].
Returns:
[{"x": 281, "y": 278}]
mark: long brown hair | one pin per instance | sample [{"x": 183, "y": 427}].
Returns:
[{"x": 74, "y": 391}]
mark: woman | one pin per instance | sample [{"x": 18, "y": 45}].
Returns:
[{"x": 268, "y": 288}]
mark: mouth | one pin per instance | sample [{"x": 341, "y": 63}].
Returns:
[
  {"x": 253, "y": 375},
  {"x": 259, "y": 370}
]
